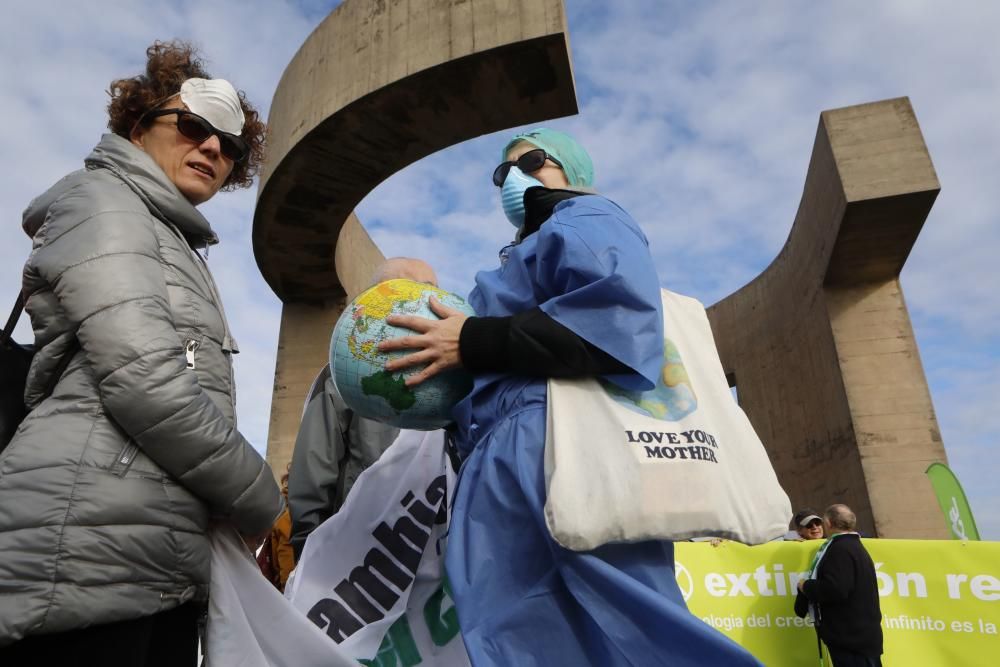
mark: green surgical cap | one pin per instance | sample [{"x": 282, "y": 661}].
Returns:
[{"x": 576, "y": 163}]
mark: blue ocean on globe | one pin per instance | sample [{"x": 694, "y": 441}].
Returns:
[{"x": 358, "y": 368}]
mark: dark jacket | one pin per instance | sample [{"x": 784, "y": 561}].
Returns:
[
  {"x": 107, "y": 488},
  {"x": 846, "y": 591},
  {"x": 333, "y": 447}
]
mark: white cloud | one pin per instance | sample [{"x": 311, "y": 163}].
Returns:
[
  {"x": 971, "y": 424},
  {"x": 700, "y": 117}
]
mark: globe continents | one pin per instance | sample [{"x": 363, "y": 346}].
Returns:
[
  {"x": 358, "y": 368},
  {"x": 673, "y": 396}
]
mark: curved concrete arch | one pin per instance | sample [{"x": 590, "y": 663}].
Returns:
[
  {"x": 820, "y": 346},
  {"x": 378, "y": 85}
]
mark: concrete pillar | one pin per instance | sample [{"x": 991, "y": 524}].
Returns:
[
  {"x": 303, "y": 349},
  {"x": 820, "y": 345},
  {"x": 304, "y": 341},
  {"x": 895, "y": 427}
]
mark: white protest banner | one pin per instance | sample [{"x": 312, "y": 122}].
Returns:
[
  {"x": 372, "y": 576},
  {"x": 250, "y": 624}
]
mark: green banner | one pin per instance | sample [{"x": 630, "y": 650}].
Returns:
[
  {"x": 954, "y": 504},
  {"x": 940, "y": 599}
]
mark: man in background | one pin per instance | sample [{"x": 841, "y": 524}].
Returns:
[
  {"x": 842, "y": 594},
  {"x": 334, "y": 446}
]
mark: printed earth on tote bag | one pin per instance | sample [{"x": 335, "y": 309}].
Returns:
[{"x": 672, "y": 398}]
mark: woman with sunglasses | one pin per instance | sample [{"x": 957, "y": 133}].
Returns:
[
  {"x": 576, "y": 296},
  {"x": 130, "y": 447}
]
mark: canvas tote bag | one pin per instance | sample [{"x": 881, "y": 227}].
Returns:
[{"x": 676, "y": 462}]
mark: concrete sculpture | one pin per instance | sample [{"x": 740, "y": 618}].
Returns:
[{"x": 820, "y": 345}]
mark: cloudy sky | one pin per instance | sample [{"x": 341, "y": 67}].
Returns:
[{"x": 700, "y": 118}]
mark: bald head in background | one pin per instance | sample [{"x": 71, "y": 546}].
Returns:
[
  {"x": 406, "y": 268},
  {"x": 840, "y": 519}
]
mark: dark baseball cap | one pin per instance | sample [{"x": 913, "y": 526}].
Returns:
[{"x": 803, "y": 518}]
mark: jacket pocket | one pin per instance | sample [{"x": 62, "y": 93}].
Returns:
[{"x": 126, "y": 457}]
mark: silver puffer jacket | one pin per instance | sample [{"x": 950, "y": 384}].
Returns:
[{"x": 108, "y": 486}]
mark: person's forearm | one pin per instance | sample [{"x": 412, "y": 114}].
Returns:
[{"x": 531, "y": 343}]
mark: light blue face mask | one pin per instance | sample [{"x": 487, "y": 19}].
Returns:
[{"x": 512, "y": 195}]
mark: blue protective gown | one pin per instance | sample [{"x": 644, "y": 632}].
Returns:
[{"x": 521, "y": 598}]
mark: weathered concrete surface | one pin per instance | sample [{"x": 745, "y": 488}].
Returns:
[
  {"x": 378, "y": 85},
  {"x": 304, "y": 339},
  {"x": 820, "y": 344}
]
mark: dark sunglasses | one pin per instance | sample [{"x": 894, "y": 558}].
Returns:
[
  {"x": 528, "y": 163},
  {"x": 197, "y": 129}
]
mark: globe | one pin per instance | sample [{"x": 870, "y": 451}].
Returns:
[
  {"x": 673, "y": 396},
  {"x": 358, "y": 368}
]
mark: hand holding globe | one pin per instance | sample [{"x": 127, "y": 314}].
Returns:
[
  {"x": 437, "y": 342},
  {"x": 370, "y": 353}
]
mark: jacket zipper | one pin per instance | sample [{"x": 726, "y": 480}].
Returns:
[
  {"x": 228, "y": 342},
  {"x": 189, "y": 349},
  {"x": 229, "y": 345}
]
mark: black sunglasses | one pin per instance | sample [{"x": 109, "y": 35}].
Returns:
[
  {"x": 197, "y": 129},
  {"x": 528, "y": 163}
]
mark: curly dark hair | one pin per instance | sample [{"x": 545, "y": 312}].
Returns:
[{"x": 168, "y": 65}]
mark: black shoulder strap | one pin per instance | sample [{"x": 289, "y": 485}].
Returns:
[
  {"x": 15, "y": 315},
  {"x": 8, "y": 334}
]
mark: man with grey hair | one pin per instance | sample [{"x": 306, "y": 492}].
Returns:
[
  {"x": 334, "y": 446},
  {"x": 841, "y": 593}
]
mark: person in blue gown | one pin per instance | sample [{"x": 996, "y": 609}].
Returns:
[{"x": 576, "y": 296}]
